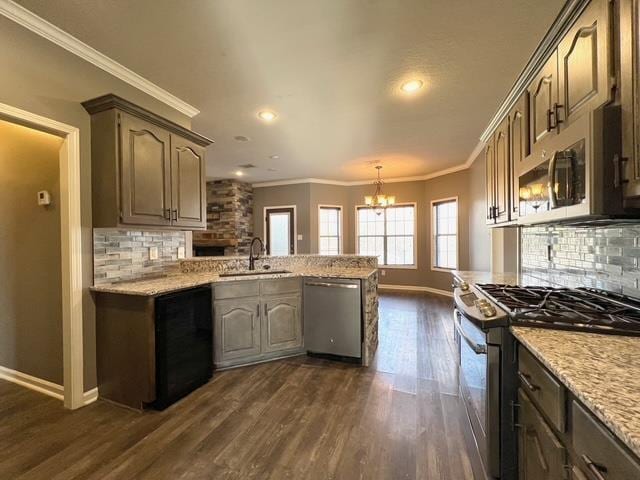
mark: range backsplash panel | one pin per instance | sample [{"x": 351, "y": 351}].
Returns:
[{"x": 604, "y": 257}]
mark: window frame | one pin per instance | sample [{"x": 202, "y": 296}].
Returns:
[
  {"x": 295, "y": 224},
  {"x": 435, "y": 267},
  {"x": 413, "y": 266},
  {"x": 340, "y": 226}
]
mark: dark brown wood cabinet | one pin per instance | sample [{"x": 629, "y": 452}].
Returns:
[
  {"x": 490, "y": 176},
  {"x": 146, "y": 170},
  {"x": 543, "y": 102},
  {"x": 498, "y": 175},
  {"x": 519, "y": 149}
]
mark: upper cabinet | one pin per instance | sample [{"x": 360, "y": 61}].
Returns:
[
  {"x": 543, "y": 101},
  {"x": 146, "y": 170},
  {"x": 502, "y": 177},
  {"x": 519, "y": 148}
]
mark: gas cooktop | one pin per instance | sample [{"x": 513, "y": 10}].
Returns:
[{"x": 584, "y": 309}]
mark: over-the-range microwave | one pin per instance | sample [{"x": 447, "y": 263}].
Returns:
[{"x": 577, "y": 176}]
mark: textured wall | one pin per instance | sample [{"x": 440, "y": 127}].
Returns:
[
  {"x": 124, "y": 254},
  {"x": 601, "y": 257},
  {"x": 230, "y": 214}
]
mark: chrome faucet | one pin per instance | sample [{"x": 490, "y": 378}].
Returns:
[{"x": 252, "y": 258}]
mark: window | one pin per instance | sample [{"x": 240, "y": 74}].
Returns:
[
  {"x": 390, "y": 235},
  {"x": 330, "y": 230},
  {"x": 444, "y": 245}
]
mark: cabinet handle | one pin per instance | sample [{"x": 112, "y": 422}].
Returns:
[
  {"x": 175, "y": 214},
  {"x": 618, "y": 171},
  {"x": 514, "y": 409},
  {"x": 258, "y": 310},
  {"x": 167, "y": 213},
  {"x": 556, "y": 115},
  {"x": 549, "y": 124},
  {"x": 265, "y": 310},
  {"x": 594, "y": 468},
  {"x": 524, "y": 378}
]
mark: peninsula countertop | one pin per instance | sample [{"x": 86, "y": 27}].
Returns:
[
  {"x": 603, "y": 371},
  {"x": 180, "y": 281}
]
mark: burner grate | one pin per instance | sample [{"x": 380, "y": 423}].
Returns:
[{"x": 576, "y": 309}]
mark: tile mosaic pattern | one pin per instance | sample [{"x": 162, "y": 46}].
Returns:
[
  {"x": 124, "y": 254},
  {"x": 605, "y": 257}
]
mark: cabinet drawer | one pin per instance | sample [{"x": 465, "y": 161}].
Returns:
[
  {"x": 280, "y": 285},
  {"x": 598, "y": 450},
  {"x": 549, "y": 394},
  {"x": 235, "y": 290}
]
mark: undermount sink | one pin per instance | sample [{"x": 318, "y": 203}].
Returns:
[{"x": 247, "y": 273}]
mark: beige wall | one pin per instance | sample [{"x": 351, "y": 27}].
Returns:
[
  {"x": 298, "y": 195},
  {"x": 420, "y": 192},
  {"x": 479, "y": 233},
  {"x": 30, "y": 255},
  {"x": 42, "y": 78}
]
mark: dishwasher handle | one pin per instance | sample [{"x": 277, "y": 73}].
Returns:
[{"x": 331, "y": 285}]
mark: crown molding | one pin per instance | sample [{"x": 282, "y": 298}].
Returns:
[
  {"x": 323, "y": 181},
  {"x": 561, "y": 25},
  {"x": 47, "y": 30}
]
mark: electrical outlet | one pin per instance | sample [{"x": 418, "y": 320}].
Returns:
[
  {"x": 383, "y": 272},
  {"x": 300, "y": 237},
  {"x": 153, "y": 253},
  {"x": 181, "y": 252}
]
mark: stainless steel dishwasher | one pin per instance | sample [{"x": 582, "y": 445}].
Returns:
[{"x": 333, "y": 317}]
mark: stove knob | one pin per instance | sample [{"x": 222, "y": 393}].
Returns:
[
  {"x": 464, "y": 286},
  {"x": 488, "y": 311},
  {"x": 483, "y": 302}
]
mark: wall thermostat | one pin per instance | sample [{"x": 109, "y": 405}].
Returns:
[{"x": 44, "y": 198}]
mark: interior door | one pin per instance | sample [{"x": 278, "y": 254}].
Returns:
[
  {"x": 280, "y": 230},
  {"x": 145, "y": 173},
  {"x": 188, "y": 194}
]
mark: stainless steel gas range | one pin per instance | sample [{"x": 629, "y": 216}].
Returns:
[{"x": 487, "y": 350}]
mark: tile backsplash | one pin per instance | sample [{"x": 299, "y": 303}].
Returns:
[
  {"x": 605, "y": 257},
  {"x": 124, "y": 254}
]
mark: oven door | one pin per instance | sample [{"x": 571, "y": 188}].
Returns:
[{"x": 480, "y": 389}]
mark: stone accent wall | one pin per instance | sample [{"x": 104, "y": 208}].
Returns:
[
  {"x": 605, "y": 257},
  {"x": 124, "y": 254},
  {"x": 230, "y": 213}
]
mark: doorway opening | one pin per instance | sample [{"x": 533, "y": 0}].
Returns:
[{"x": 280, "y": 230}]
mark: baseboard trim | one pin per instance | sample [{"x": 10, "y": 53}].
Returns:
[
  {"x": 33, "y": 383},
  {"x": 415, "y": 288},
  {"x": 90, "y": 396}
]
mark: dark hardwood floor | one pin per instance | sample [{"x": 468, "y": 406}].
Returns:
[{"x": 299, "y": 418}]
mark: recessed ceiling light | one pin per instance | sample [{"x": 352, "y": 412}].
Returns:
[
  {"x": 239, "y": 173},
  {"x": 241, "y": 138},
  {"x": 274, "y": 157},
  {"x": 411, "y": 86},
  {"x": 267, "y": 115}
]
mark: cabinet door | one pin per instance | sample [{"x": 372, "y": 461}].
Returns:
[
  {"x": 145, "y": 179},
  {"x": 281, "y": 323},
  {"x": 490, "y": 181},
  {"x": 519, "y": 149},
  {"x": 541, "y": 456},
  {"x": 584, "y": 64},
  {"x": 502, "y": 175},
  {"x": 188, "y": 190},
  {"x": 543, "y": 96},
  {"x": 236, "y": 329}
]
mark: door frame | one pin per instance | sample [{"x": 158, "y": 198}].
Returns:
[
  {"x": 71, "y": 246},
  {"x": 295, "y": 224}
]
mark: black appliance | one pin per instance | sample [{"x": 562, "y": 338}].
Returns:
[
  {"x": 184, "y": 344},
  {"x": 208, "y": 251}
]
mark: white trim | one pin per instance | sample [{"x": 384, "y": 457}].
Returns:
[
  {"x": 341, "y": 226},
  {"x": 434, "y": 267},
  {"x": 323, "y": 181},
  {"x": 295, "y": 224},
  {"x": 413, "y": 266},
  {"x": 90, "y": 396},
  {"x": 71, "y": 241},
  {"x": 415, "y": 288},
  {"x": 33, "y": 383},
  {"x": 45, "y": 29}
]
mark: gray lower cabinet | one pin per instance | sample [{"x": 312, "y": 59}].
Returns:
[
  {"x": 281, "y": 325},
  {"x": 541, "y": 455},
  {"x": 256, "y": 321},
  {"x": 236, "y": 329}
]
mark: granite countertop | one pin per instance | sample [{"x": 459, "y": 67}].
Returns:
[
  {"x": 181, "y": 281},
  {"x": 473, "y": 277},
  {"x": 603, "y": 371}
]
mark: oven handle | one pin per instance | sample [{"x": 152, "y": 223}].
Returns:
[
  {"x": 553, "y": 196},
  {"x": 478, "y": 348}
]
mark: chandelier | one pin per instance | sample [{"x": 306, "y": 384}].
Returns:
[{"x": 379, "y": 201}]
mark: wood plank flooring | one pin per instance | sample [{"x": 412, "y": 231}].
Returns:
[{"x": 299, "y": 418}]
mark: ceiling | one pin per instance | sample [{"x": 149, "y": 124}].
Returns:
[{"x": 331, "y": 69}]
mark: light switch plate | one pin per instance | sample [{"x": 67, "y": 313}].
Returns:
[
  {"x": 383, "y": 272},
  {"x": 181, "y": 252},
  {"x": 299, "y": 237},
  {"x": 153, "y": 253}
]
